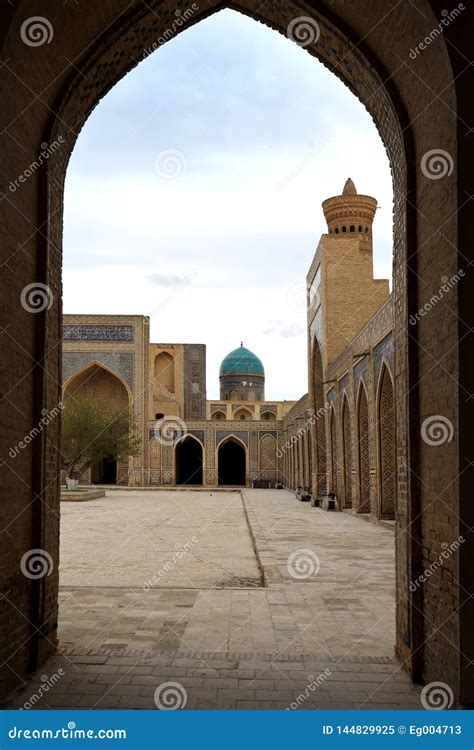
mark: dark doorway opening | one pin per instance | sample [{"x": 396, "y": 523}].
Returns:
[
  {"x": 105, "y": 472},
  {"x": 189, "y": 462},
  {"x": 231, "y": 463}
]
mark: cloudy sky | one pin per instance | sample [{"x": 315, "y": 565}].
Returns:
[{"x": 194, "y": 193}]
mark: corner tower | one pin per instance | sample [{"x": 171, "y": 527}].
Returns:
[
  {"x": 242, "y": 376},
  {"x": 351, "y": 215},
  {"x": 342, "y": 292}
]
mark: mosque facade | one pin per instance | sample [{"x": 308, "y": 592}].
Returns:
[{"x": 337, "y": 441}]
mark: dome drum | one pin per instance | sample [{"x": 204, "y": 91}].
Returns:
[{"x": 242, "y": 376}]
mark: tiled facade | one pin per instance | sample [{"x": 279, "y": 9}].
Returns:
[{"x": 168, "y": 382}]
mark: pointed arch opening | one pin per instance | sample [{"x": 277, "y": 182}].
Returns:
[
  {"x": 347, "y": 452},
  {"x": 243, "y": 415},
  {"x": 96, "y": 382},
  {"x": 231, "y": 463},
  {"x": 363, "y": 475},
  {"x": 219, "y": 416},
  {"x": 386, "y": 445},
  {"x": 163, "y": 370},
  {"x": 189, "y": 461}
]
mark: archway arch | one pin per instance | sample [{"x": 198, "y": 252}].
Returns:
[
  {"x": 218, "y": 415},
  {"x": 243, "y": 415},
  {"x": 386, "y": 479},
  {"x": 189, "y": 461},
  {"x": 353, "y": 43},
  {"x": 363, "y": 469},
  {"x": 319, "y": 431},
  {"x": 347, "y": 452},
  {"x": 163, "y": 370},
  {"x": 232, "y": 462},
  {"x": 96, "y": 382}
]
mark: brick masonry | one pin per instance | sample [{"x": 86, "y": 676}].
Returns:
[{"x": 417, "y": 105}]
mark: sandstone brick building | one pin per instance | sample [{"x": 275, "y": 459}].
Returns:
[
  {"x": 184, "y": 439},
  {"x": 423, "y": 110},
  {"x": 338, "y": 438}
]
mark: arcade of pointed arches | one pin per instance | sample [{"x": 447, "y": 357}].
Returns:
[{"x": 340, "y": 438}]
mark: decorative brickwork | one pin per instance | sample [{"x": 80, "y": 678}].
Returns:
[
  {"x": 417, "y": 106},
  {"x": 97, "y": 333}
]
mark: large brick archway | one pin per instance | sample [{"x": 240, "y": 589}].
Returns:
[{"x": 417, "y": 105}]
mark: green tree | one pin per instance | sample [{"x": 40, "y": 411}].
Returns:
[{"x": 93, "y": 430}]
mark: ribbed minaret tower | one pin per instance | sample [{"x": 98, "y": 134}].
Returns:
[
  {"x": 343, "y": 292},
  {"x": 351, "y": 215}
]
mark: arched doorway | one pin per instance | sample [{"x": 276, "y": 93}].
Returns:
[
  {"x": 189, "y": 461},
  {"x": 163, "y": 370},
  {"x": 405, "y": 119},
  {"x": 231, "y": 463},
  {"x": 97, "y": 383},
  {"x": 363, "y": 484},
  {"x": 386, "y": 446},
  {"x": 347, "y": 445}
]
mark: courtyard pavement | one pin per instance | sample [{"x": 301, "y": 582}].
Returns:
[{"x": 213, "y": 599}]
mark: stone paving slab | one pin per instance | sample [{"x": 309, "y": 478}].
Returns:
[
  {"x": 321, "y": 627},
  {"x": 130, "y": 539},
  {"x": 321, "y": 684}
]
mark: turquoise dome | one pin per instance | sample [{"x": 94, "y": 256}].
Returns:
[{"x": 241, "y": 361}]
